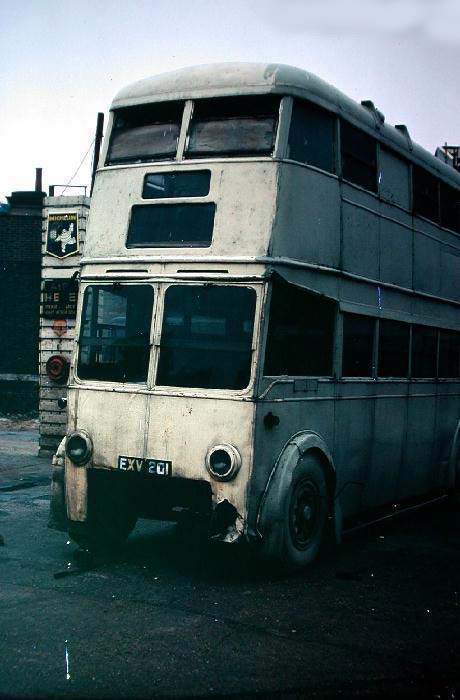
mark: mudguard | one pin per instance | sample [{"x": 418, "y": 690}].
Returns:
[{"x": 271, "y": 507}]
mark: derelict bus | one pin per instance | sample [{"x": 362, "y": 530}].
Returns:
[{"x": 269, "y": 327}]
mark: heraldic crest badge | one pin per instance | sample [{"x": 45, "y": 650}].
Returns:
[{"x": 62, "y": 234}]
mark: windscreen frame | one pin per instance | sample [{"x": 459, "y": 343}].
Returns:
[
  {"x": 102, "y": 285},
  {"x": 256, "y": 288}
]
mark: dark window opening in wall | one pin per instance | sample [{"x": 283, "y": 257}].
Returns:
[
  {"x": 358, "y": 343},
  {"x": 449, "y": 354},
  {"x": 312, "y": 136},
  {"x": 229, "y": 126},
  {"x": 145, "y": 133},
  {"x": 424, "y": 351},
  {"x": 206, "y": 339},
  {"x": 194, "y": 183},
  {"x": 426, "y": 189},
  {"x": 393, "y": 349},
  {"x": 171, "y": 225},
  {"x": 359, "y": 157},
  {"x": 450, "y": 208},
  {"x": 300, "y": 333}
]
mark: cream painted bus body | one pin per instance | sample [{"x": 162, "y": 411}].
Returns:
[{"x": 380, "y": 440}]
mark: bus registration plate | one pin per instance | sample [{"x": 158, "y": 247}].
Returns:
[{"x": 155, "y": 467}]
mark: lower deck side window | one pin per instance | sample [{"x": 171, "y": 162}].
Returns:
[
  {"x": 424, "y": 348},
  {"x": 433, "y": 352},
  {"x": 449, "y": 354},
  {"x": 393, "y": 349},
  {"x": 358, "y": 344},
  {"x": 300, "y": 332}
]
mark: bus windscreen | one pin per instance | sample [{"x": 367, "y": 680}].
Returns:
[
  {"x": 206, "y": 340},
  {"x": 114, "y": 342}
]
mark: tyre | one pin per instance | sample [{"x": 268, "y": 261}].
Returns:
[
  {"x": 112, "y": 513},
  {"x": 454, "y": 491},
  {"x": 294, "y": 537}
]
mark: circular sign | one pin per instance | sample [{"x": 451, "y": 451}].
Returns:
[
  {"x": 60, "y": 327},
  {"x": 57, "y": 368}
]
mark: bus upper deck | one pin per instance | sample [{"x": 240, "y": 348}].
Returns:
[{"x": 268, "y": 164}]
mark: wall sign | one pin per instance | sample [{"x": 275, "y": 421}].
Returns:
[
  {"x": 60, "y": 299},
  {"x": 62, "y": 234},
  {"x": 60, "y": 327}
]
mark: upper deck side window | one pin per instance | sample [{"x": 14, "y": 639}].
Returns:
[
  {"x": 450, "y": 207},
  {"x": 233, "y": 126},
  {"x": 359, "y": 157},
  {"x": 426, "y": 194},
  {"x": 312, "y": 136},
  {"x": 145, "y": 133},
  {"x": 435, "y": 200}
]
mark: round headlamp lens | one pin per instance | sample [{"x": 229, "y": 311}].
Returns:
[
  {"x": 220, "y": 463},
  {"x": 78, "y": 448},
  {"x": 223, "y": 462}
]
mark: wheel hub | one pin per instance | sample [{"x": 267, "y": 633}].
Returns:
[{"x": 304, "y": 513}]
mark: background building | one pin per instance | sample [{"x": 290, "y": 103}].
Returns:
[
  {"x": 20, "y": 260},
  {"x": 63, "y": 237}
]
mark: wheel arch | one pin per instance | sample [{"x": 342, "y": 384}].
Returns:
[
  {"x": 454, "y": 458},
  {"x": 280, "y": 478}
]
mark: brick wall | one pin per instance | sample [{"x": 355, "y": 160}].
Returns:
[{"x": 20, "y": 256}]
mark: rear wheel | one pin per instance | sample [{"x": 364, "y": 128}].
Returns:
[
  {"x": 112, "y": 512},
  {"x": 294, "y": 538},
  {"x": 454, "y": 492}
]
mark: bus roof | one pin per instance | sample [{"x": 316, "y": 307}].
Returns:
[{"x": 232, "y": 79}]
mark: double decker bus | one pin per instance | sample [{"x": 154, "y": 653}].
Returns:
[{"x": 268, "y": 326}]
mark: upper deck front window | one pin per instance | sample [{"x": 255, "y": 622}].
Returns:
[
  {"x": 233, "y": 126},
  {"x": 145, "y": 133}
]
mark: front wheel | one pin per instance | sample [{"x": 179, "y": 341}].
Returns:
[
  {"x": 294, "y": 537},
  {"x": 112, "y": 513}
]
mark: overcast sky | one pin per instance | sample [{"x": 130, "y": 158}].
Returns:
[{"x": 62, "y": 62}]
